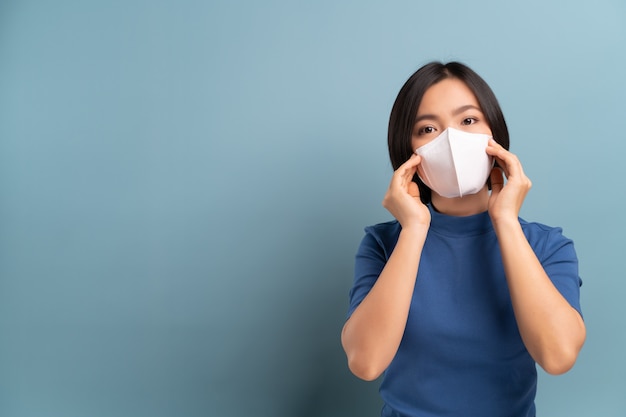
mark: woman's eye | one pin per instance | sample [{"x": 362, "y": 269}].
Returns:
[
  {"x": 468, "y": 121},
  {"x": 426, "y": 130}
]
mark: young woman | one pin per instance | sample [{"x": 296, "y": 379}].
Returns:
[{"x": 457, "y": 299}]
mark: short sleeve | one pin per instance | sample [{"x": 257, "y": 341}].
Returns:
[
  {"x": 369, "y": 262},
  {"x": 559, "y": 260}
]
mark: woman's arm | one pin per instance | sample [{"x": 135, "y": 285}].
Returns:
[
  {"x": 372, "y": 334},
  {"x": 552, "y": 330}
]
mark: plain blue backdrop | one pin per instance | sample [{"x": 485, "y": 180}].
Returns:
[{"x": 183, "y": 186}]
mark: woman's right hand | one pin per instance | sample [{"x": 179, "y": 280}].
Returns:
[{"x": 403, "y": 197}]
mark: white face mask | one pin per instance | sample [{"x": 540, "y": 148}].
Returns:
[{"x": 455, "y": 163}]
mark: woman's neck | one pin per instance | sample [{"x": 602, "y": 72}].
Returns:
[{"x": 462, "y": 206}]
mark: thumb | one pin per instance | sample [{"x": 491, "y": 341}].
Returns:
[
  {"x": 414, "y": 190},
  {"x": 497, "y": 180}
]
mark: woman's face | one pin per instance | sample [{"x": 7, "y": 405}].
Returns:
[{"x": 449, "y": 103}]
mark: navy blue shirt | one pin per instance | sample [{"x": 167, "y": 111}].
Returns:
[{"x": 461, "y": 353}]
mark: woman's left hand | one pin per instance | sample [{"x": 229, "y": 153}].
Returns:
[{"x": 506, "y": 200}]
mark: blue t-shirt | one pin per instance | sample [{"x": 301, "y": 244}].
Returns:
[{"x": 461, "y": 353}]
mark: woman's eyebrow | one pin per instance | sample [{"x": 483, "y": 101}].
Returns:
[
  {"x": 426, "y": 117},
  {"x": 465, "y": 108}
]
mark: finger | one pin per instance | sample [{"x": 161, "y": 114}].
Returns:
[
  {"x": 404, "y": 174},
  {"x": 412, "y": 162},
  {"x": 497, "y": 150},
  {"x": 506, "y": 160}
]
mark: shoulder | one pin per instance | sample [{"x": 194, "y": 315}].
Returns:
[
  {"x": 545, "y": 239},
  {"x": 384, "y": 232},
  {"x": 536, "y": 229},
  {"x": 382, "y": 236}
]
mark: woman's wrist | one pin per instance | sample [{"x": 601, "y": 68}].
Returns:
[
  {"x": 505, "y": 223},
  {"x": 415, "y": 229}
]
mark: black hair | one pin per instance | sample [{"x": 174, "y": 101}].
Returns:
[{"x": 404, "y": 111}]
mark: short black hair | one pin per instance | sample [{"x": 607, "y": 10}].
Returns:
[{"x": 404, "y": 111}]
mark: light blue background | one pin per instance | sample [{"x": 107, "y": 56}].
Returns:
[{"x": 183, "y": 186}]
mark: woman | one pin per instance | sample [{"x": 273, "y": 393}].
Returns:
[{"x": 458, "y": 298}]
